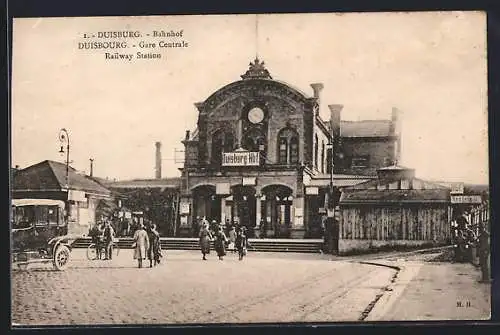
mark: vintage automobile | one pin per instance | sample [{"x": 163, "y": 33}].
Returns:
[{"x": 39, "y": 233}]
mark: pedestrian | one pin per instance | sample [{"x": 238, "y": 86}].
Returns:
[
  {"x": 108, "y": 236},
  {"x": 228, "y": 226},
  {"x": 484, "y": 254},
  {"x": 214, "y": 227},
  {"x": 205, "y": 238},
  {"x": 241, "y": 243},
  {"x": 154, "y": 251},
  {"x": 94, "y": 234},
  {"x": 232, "y": 239},
  {"x": 220, "y": 243},
  {"x": 141, "y": 244}
]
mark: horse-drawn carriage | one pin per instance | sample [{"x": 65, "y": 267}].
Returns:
[{"x": 40, "y": 233}]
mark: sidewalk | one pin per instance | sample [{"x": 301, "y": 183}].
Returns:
[{"x": 434, "y": 291}]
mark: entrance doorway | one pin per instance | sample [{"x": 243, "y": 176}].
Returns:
[
  {"x": 244, "y": 207},
  {"x": 277, "y": 210},
  {"x": 206, "y": 203}
]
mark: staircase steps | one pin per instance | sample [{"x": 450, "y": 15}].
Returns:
[{"x": 260, "y": 245}]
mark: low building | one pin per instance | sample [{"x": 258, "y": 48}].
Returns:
[
  {"x": 394, "y": 210},
  {"x": 52, "y": 180},
  {"x": 156, "y": 200}
]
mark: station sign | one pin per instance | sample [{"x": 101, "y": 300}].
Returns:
[
  {"x": 184, "y": 208},
  {"x": 74, "y": 195},
  {"x": 249, "y": 181},
  {"x": 466, "y": 199},
  {"x": 222, "y": 188},
  {"x": 244, "y": 158},
  {"x": 457, "y": 188}
]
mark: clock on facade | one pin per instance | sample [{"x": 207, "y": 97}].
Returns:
[{"x": 255, "y": 115}]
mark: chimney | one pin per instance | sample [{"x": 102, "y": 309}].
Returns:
[
  {"x": 335, "y": 119},
  {"x": 395, "y": 121},
  {"x": 317, "y": 87},
  {"x": 91, "y": 167},
  {"x": 17, "y": 167},
  {"x": 158, "y": 160},
  {"x": 187, "y": 135}
]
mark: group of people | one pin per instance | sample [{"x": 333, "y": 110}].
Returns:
[
  {"x": 102, "y": 235},
  {"x": 146, "y": 242},
  {"x": 235, "y": 240},
  {"x": 147, "y": 245}
]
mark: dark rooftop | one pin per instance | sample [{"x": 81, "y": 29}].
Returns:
[
  {"x": 51, "y": 175},
  {"x": 395, "y": 196}
]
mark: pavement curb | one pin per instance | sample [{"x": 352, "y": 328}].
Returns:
[
  {"x": 392, "y": 292},
  {"x": 368, "y": 310}
]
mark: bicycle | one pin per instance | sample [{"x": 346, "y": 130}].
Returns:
[{"x": 92, "y": 250}]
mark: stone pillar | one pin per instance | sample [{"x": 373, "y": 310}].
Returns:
[
  {"x": 258, "y": 213},
  {"x": 297, "y": 229},
  {"x": 223, "y": 210}
]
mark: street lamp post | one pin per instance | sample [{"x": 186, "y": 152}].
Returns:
[{"x": 64, "y": 139}]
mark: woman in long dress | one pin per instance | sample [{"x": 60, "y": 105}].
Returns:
[
  {"x": 220, "y": 243},
  {"x": 241, "y": 243},
  {"x": 205, "y": 238},
  {"x": 141, "y": 244}
]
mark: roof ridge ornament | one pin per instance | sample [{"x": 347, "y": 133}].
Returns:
[{"x": 257, "y": 70}]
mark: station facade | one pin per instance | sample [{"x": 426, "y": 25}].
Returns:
[{"x": 262, "y": 156}]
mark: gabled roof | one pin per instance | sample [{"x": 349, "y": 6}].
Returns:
[{"x": 51, "y": 176}]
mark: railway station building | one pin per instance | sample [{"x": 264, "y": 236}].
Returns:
[{"x": 261, "y": 154}]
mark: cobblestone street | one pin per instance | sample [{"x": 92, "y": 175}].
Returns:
[{"x": 185, "y": 289}]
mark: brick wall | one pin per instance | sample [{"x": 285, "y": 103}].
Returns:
[{"x": 381, "y": 153}]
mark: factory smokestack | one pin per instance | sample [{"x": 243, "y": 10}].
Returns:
[
  {"x": 91, "y": 167},
  {"x": 158, "y": 160}
]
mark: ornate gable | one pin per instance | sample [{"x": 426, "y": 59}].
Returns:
[{"x": 257, "y": 71}]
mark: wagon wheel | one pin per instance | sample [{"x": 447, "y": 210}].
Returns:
[
  {"x": 91, "y": 252},
  {"x": 61, "y": 257}
]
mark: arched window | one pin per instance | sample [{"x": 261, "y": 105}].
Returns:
[
  {"x": 288, "y": 147},
  {"x": 221, "y": 142},
  {"x": 322, "y": 156},
  {"x": 316, "y": 151},
  {"x": 283, "y": 151},
  {"x": 294, "y": 150}
]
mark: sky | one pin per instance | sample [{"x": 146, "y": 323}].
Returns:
[{"x": 429, "y": 65}]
